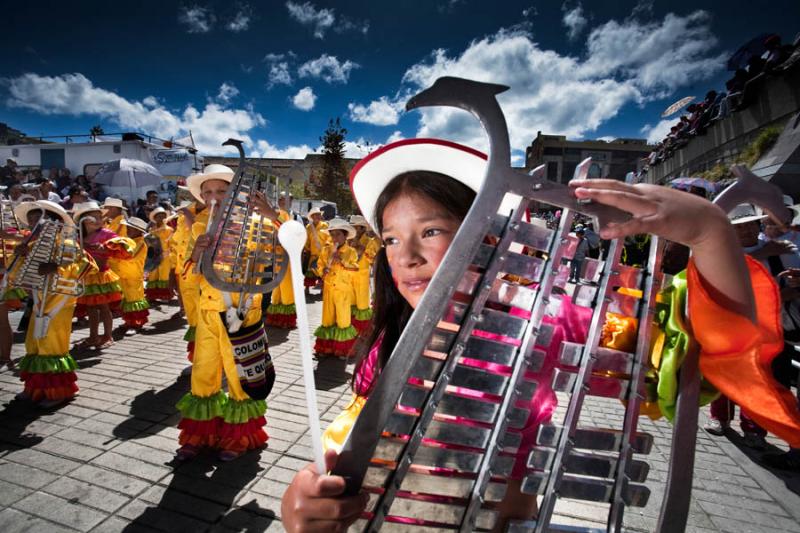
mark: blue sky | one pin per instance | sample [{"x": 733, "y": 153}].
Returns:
[{"x": 273, "y": 73}]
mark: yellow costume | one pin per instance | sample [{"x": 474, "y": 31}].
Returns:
[
  {"x": 115, "y": 225},
  {"x": 127, "y": 260},
  {"x": 180, "y": 247},
  {"x": 318, "y": 237},
  {"x": 158, "y": 279},
  {"x": 362, "y": 308},
  {"x": 210, "y": 417},
  {"x": 282, "y": 313},
  {"x": 48, "y": 369},
  {"x": 336, "y": 335}
]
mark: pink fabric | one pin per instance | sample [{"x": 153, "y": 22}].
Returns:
[
  {"x": 570, "y": 325},
  {"x": 93, "y": 247}
]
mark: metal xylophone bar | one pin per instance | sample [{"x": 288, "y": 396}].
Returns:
[{"x": 596, "y": 464}]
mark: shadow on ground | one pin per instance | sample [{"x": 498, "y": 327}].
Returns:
[
  {"x": 331, "y": 372},
  {"x": 790, "y": 478},
  {"x": 151, "y": 406},
  {"x": 201, "y": 496}
]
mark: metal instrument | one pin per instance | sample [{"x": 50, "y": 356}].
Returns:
[{"x": 244, "y": 255}]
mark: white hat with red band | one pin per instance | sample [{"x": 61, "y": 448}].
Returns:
[{"x": 372, "y": 174}]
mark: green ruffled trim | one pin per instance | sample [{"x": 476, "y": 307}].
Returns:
[
  {"x": 197, "y": 408},
  {"x": 361, "y": 314},
  {"x": 158, "y": 284},
  {"x": 280, "y": 309},
  {"x": 138, "y": 305},
  {"x": 102, "y": 288},
  {"x": 189, "y": 337},
  {"x": 333, "y": 333},
  {"x": 15, "y": 293},
  {"x": 43, "y": 364},
  {"x": 240, "y": 412}
]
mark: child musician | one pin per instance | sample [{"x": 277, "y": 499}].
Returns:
[
  {"x": 128, "y": 255},
  {"x": 367, "y": 248},
  {"x": 318, "y": 236},
  {"x": 158, "y": 287}
]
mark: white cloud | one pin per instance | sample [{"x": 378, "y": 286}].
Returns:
[
  {"x": 560, "y": 94},
  {"x": 328, "y": 68},
  {"x": 74, "y": 94},
  {"x": 306, "y": 14},
  {"x": 305, "y": 99},
  {"x": 197, "y": 19},
  {"x": 655, "y": 134},
  {"x": 381, "y": 112},
  {"x": 265, "y": 149},
  {"x": 574, "y": 20},
  {"x": 279, "y": 75},
  {"x": 227, "y": 91},
  {"x": 394, "y": 137},
  {"x": 241, "y": 20}
]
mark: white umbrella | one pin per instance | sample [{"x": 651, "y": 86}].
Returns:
[
  {"x": 129, "y": 179},
  {"x": 677, "y": 106}
]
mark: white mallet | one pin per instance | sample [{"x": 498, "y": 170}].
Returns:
[{"x": 292, "y": 236}]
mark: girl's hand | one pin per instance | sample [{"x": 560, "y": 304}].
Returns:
[
  {"x": 315, "y": 502},
  {"x": 262, "y": 205},
  {"x": 669, "y": 213}
]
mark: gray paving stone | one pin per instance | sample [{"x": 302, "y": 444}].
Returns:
[
  {"x": 14, "y": 521},
  {"x": 108, "y": 479},
  {"x": 25, "y": 475},
  {"x": 86, "y": 494},
  {"x": 10, "y": 493},
  {"x": 129, "y": 465},
  {"x": 43, "y": 461},
  {"x": 61, "y": 511}
]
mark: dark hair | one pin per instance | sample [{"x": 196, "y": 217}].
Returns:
[{"x": 391, "y": 311}]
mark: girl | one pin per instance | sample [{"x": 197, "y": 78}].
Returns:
[
  {"x": 336, "y": 265},
  {"x": 367, "y": 248},
  {"x": 181, "y": 245},
  {"x": 281, "y": 312},
  {"x": 417, "y": 209},
  {"x": 114, "y": 213},
  {"x": 127, "y": 258},
  {"x": 10, "y": 298},
  {"x": 158, "y": 288},
  {"x": 230, "y": 423},
  {"x": 48, "y": 370},
  {"x": 102, "y": 287},
  {"x": 318, "y": 237}
]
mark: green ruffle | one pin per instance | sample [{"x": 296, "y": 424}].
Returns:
[
  {"x": 361, "y": 314},
  {"x": 43, "y": 364},
  {"x": 102, "y": 288},
  {"x": 197, "y": 408},
  {"x": 240, "y": 412},
  {"x": 280, "y": 309},
  {"x": 15, "y": 293},
  {"x": 158, "y": 284},
  {"x": 333, "y": 333},
  {"x": 138, "y": 305},
  {"x": 189, "y": 337}
]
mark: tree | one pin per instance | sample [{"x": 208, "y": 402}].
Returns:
[
  {"x": 330, "y": 182},
  {"x": 96, "y": 130}
]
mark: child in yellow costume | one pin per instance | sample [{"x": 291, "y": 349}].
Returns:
[
  {"x": 318, "y": 237},
  {"x": 114, "y": 213},
  {"x": 127, "y": 260},
  {"x": 9, "y": 296},
  {"x": 101, "y": 288},
  {"x": 282, "y": 313},
  {"x": 337, "y": 264},
  {"x": 181, "y": 245},
  {"x": 232, "y": 423},
  {"x": 48, "y": 369},
  {"x": 158, "y": 287},
  {"x": 367, "y": 248}
]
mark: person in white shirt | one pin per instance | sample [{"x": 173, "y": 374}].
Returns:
[{"x": 47, "y": 191}]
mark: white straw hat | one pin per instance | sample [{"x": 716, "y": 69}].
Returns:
[
  {"x": 314, "y": 211},
  {"x": 137, "y": 223},
  {"x": 744, "y": 213},
  {"x": 114, "y": 202},
  {"x": 22, "y": 210},
  {"x": 155, "y": 212},
  {"x": 341, "y": 225},
  {"x": 358, "y": 220},
  {"x": 78, "y": 210},
  {"x": 372, "y": 174},
  {"x": 211, "y": 172}
]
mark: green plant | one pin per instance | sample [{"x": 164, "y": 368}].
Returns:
[{"x": 761, "y": 145}]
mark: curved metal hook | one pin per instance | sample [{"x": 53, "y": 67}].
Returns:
[
  {"x": 239, "y": 146},
  {"x": 750, "y": 189}
]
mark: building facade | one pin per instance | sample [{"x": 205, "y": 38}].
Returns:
[{"x": 610, "y": 159}]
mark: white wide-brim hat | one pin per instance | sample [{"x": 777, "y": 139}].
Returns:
[
  {"x": 341, "y": 225},
  {"x": 211, "y": 172},
  {"x": 372, "y": 174},
  {"x": 22, "y": 210},
  {"x": 155, "y": 212},
  {"x": 314, "y": 211},
  {"x": 137, "y": 223},
  {"x": 358, "y": 220},
  {"x": 78, "y": 210},
  {"x": 744, "y": 213},
  {"x": 114, "y": 202}
]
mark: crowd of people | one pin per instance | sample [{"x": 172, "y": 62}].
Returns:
[
  {"x": 373, "y": 269},
  {"x": 740, "y": 92}
]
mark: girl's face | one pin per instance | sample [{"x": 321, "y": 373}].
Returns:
[
  {"x": 160, "y": 218},
  {"x": 92, "y": 221},
  {"x": 214, "y": 190},
  {"x": 338, "y": 236},
  {"x": 417, "y": 232}
]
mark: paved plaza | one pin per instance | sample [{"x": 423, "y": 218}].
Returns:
[{"x": 104, "y": 462}]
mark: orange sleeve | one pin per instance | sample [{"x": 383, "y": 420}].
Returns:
[{"x": 736, "y": 354}]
